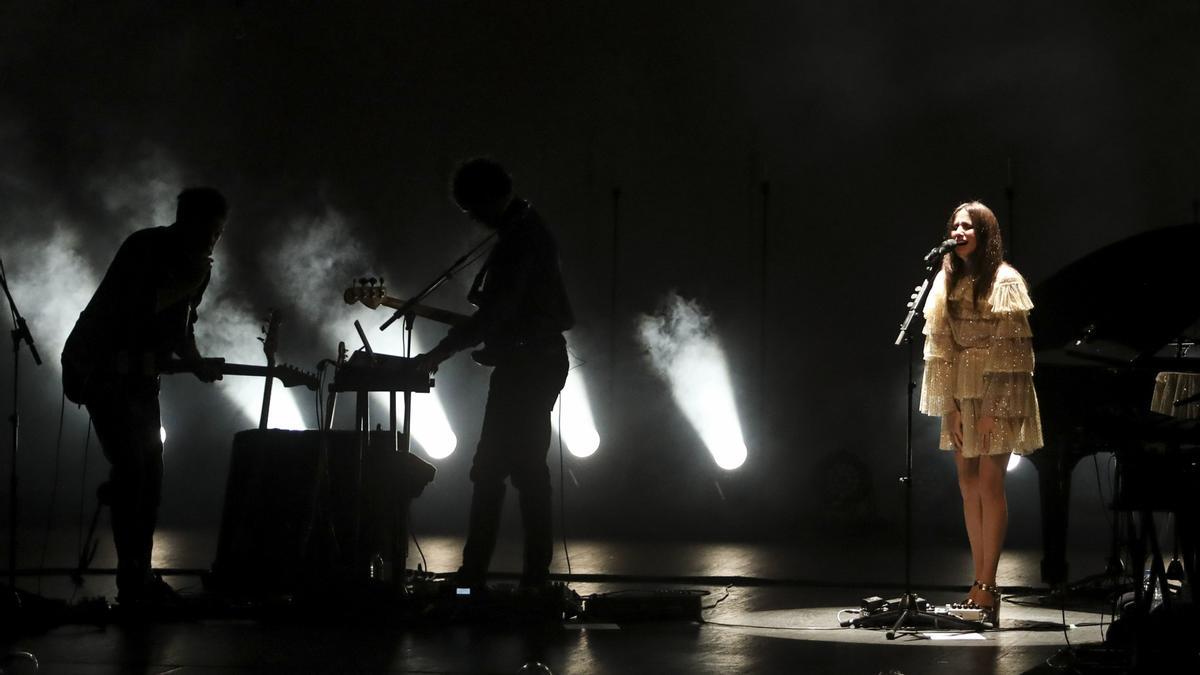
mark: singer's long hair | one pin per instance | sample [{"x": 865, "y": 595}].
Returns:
[{"x": 988, "y": 254}]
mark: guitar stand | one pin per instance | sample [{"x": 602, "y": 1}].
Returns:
[{"x": 385, "y": 530}]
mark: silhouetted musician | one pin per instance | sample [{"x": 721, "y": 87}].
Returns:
[
  {"x": 523, "y": 311},
  {"x": 143, "y": 310}
]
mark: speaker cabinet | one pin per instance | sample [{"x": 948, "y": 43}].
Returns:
[{"x": 292, "y": 520}]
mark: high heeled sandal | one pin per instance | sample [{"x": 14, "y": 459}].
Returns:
[
  {"x": 991, "y": 615},
  {"x": 967, "y": 601}
]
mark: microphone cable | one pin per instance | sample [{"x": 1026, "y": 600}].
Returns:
[{"x": 62, "y": 409}]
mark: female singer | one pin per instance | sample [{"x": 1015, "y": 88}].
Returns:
[{"x": 979, "y": 380}]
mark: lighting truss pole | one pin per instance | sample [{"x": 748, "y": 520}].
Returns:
[
  {"x": 1010, "y": 197},
  {"x": 612, "y": 300},
  {"x": 765, "y": 187}
]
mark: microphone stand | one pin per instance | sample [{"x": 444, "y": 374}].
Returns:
[
  {"x": 445, "y": 276},
  {"x": 406, "y": 311},
  {"x": 15, "y": 598},
  {"x": 910, "y": 611}
]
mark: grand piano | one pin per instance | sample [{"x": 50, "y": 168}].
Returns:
[{"x": 1104, "y": 328}]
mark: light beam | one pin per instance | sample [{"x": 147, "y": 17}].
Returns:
[
  {"x": 578, "y": 428},
  {"x": 684, "y": 351}
]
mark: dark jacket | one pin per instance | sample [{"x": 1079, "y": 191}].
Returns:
[
  {"x": 122, "y": 322},
  {"x": 519, "y": 291}
]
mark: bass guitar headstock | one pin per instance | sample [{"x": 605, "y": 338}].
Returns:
[
  {"x": 291, "y": 376},
  {"x": 368, "y": 290}
]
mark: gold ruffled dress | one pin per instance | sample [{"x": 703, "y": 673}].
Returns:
[{"x": 980, "y": 359}]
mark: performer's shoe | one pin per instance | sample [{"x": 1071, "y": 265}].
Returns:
[
  {"x": 154, "y": 594},
  {"x": 967, "y": 601},
  {"x": 160, "y": 594},
  {"x": 466, "y": 579},
  {"x": 991, "y": 614}
]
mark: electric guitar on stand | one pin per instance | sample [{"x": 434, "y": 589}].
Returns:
[{"x": 270, "y": 340}]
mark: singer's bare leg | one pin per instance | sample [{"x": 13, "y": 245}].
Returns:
[
  {"x": 992, "y": 470},
  {"x": 969, "y": 485}
]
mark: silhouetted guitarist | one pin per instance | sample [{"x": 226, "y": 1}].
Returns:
[
  {"x": 523, "y": 311},
  {"x": 143, "y": 311}
]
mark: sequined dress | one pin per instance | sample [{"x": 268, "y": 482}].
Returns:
[{"x": 979, "y": 357}]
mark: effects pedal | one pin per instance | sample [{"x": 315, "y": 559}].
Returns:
[{"x": 960, "y": 611}]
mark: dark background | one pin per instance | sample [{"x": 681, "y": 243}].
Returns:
[{"x": 333, "y": 128}]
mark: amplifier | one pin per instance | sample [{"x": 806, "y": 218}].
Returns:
[{"x": 279, "y": 532}]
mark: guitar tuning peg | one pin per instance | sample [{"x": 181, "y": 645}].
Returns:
[{"x": 371, "y": 281}]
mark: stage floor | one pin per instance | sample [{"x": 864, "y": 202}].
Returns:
[{"x": 781, "y": 615}]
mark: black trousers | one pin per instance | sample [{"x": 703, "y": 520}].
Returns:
[
  {"x": 127, "y": 423},
  {"x": 513, "y": 444}
]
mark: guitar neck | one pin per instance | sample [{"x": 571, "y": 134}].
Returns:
[
  {"x": 288, "y": 375},
  {"x": 425, "y": 311},
  {"x": 176, "y": 366},
  {"x": 245, "y": 369}
]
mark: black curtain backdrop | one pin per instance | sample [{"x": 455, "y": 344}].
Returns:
[{"x": 333, "y": 128}]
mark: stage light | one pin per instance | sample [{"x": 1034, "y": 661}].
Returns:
[
  {"x": 578, "y": 428},
  {"x": 705, "y": 394},
  {"x": 162, "y": 434},
  {"x": 1014, "y": 460},
  {"x": 431, "y": 429},
  {"x": 684, "y": 351}
]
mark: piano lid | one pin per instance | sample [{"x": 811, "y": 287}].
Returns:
[{"x": 1121, "y": 303}]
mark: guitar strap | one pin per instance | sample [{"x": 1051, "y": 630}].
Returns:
[{"x": 479, "y": 287}]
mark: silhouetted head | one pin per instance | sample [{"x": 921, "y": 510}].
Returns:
[
  {"x": 483, "y": 190},
  {"x": 982, "y": 250},
  {"x": 200, "y": 214}
]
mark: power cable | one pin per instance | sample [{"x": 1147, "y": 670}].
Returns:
[
  {"x": 62, "y": 409},
  {"x": 562, "y": 487},
  {"x": 413, "y": 533},
  {"x": 562, "y": 484},
  {"x": 87, "y": 440}
]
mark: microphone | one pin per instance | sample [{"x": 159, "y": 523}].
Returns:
[{"x": 942, "y": 249}]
